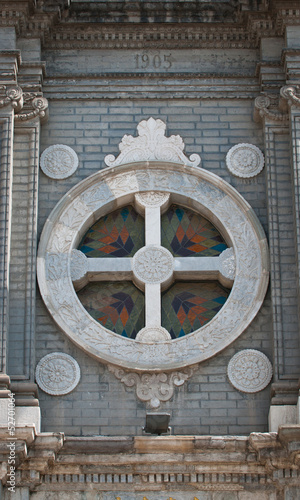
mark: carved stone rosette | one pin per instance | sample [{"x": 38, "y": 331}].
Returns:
[
  {"x": 153, "y": 264},
  {"x": 227, "y": 263},
  {"x": 250, "y": 371},
  {"x": 57, "y": 374},
  {"x": 59, "y": 161},
  {"x": 245, "y": 160},
  {"x": 151, "y": 145},
  {"x": 153, "y": 388}
]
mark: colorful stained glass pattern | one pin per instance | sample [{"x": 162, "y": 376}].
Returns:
[
  {"x": 188, "y": 306},
  {"x": 186, "y": 233},
  {"x": 119, "y": 306},
  {"x": 119, "y": 234}
]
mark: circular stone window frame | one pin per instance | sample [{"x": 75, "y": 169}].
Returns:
[{"x": 111, "y": 188}]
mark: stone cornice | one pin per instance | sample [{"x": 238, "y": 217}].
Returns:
[
  {"x": 164, "y": 36},
  {"x": 58, "y": 461},
  {"x": 64, "y": 24}
]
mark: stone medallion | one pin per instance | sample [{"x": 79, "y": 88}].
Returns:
[
  {"x": 152, "y": 198},
  {"x": 153, "y": 264},
  {"x": 57, "y": 374},
  {"x": 153, "y": 334},
  {"x": 227, "y": 263},
  {"x": 249, "y": 371},
  {"x": 245, "y": 160},
  {"x": 59, "y": 161}
]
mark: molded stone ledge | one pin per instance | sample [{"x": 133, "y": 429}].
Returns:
[
  {"x": 285, "y": 392},
  {"x": 98, "y": 444},
  {"x": 26, "y": 394}
]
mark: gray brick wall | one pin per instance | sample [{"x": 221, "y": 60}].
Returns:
[{"x": 100, "y": 404}]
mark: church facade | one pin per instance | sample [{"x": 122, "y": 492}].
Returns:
[{"x": 150, "y": 235}]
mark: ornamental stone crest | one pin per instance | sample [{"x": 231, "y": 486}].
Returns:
[
  {"x": 153, "y": 388},
  {"x": 151, "y": 145},
  {"x": 57, "y": 374},
  {"x": 59, "y": 161},
  {"x": 245, "y": 160},
  {"x": 249, "y": 371}
]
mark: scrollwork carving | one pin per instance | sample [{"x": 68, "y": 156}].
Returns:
[
  {"x": 40, "y": 107},
  {"x": 13, "y": 96},
  {"x": 262, "y": 104},
  {"x": 153, "y": 388},
  {"x": 289, "y": 93},
  {"x": 151, "y": 144}
]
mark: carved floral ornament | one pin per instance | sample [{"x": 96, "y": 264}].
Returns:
[
  {"x": 57, "y": 374},
  {"x": 59, "y": 161},
  {"x": 245, "y": 267},
  {"x": 250, "y": 371},
  {"x": 245, "y": 160}
]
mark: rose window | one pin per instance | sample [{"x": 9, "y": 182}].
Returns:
[{"x": 131, "y": 272}]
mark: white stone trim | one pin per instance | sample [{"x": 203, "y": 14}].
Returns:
[
  {"x": 57, "y": 374},
  {"x": 105, "y": 191},
  {"x": 250, "y": 371}
]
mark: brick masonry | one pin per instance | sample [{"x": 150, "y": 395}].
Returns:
[{"x": 207, "y": 404}]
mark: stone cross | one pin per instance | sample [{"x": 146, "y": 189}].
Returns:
[{"x": 152, "y": 268}]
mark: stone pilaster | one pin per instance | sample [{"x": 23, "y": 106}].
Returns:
[
  {"x": 10, "y": 100},
  {"x": 24, "y": 201}
]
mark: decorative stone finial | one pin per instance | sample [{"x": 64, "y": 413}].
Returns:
[{"x": 152, "y": 145}]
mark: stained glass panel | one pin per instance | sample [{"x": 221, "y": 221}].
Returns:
[
  {"x": 186, "y": 233},
  {"x": 188, "y": 306},
  {"x": 119, "y": 306},
  {"x": 119, "y": 234}
]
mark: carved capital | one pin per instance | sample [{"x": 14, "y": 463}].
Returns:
[
  {"x": 289, "y": 92},
  {"x": 13, "y": 96},
  {"x": 261, "y": 111},
  {"x": 38, "y": 108},
  {"x": 153, "y": 388}
]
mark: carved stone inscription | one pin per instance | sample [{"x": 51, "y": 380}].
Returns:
[{"x": 155, "y": 61}]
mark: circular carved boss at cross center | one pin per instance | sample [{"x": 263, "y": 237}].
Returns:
[
  {"x": 153, "y": 264},
  {"x": 190, "y": 186}
]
